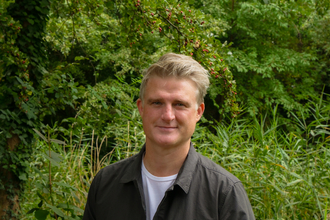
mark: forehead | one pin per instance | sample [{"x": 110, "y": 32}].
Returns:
[{"x": 171, "y": 85}]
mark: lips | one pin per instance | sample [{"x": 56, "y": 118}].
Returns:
[{"x": 166, "y": 128}]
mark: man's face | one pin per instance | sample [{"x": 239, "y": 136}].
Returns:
[{"x": 169, "y": 111}]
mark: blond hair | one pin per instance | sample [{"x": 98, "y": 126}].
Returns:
[{"x": 180, "y": 66}]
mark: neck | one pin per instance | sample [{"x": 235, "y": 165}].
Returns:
[{"x": 164, "y": 161}]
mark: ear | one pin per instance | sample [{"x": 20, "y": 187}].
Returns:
[
  {"x": 200, "y": 111},
  {"x": 140, "y": 106}
]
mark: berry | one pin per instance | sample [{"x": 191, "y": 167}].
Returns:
[
  {"x": 191, "y": 54},
  {"x": 202, "y": 22},
  {"x": 152, "y": 14},
  {"x": 189, "y": 10}
]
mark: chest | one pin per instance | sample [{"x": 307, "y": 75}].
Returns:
[{"x": 127, "y": 203}]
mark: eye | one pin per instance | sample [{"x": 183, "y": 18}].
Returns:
[
  {"x": 179, "y": 104},
  {"x": 156, "y": 103}
]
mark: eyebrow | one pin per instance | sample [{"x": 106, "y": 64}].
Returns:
[{"x": 151, "y": 100}]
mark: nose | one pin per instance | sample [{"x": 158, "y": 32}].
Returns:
[{"x": 168, "y": 113}]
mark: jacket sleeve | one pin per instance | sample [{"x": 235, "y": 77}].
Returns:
[
  {"x": 236, "y": 204},
  {"x": 89, "y": 213}
]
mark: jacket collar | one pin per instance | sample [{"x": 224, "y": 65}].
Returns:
[{"x": 185, "y": 174}]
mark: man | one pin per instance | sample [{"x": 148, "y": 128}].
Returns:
[{"x": 168, "y": 179}]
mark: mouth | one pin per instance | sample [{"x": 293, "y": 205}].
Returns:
[{"x": 167, "y": 128}]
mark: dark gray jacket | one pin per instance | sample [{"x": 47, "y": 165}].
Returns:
[{"x": 203, "y": 190}]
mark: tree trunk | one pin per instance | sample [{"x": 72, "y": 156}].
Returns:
[{"x": 9, "y": 195}]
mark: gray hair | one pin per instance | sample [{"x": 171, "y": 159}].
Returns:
[{"x": 180, "y": 66}]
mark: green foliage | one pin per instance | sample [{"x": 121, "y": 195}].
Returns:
[
  {"x": 54, "y": 197},
  {"x": 286, "y": 175},
  {"x": 271, "y": 51}
]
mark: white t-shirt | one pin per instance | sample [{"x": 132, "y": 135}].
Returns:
[{"x": 154, "y": 189}]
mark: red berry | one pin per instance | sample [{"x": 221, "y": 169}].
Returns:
[
  {"x": 189, "y": 10},
  {"x": 140, "y": 34},
  {"x": 152, "y": 32},
  {"x": 191, "y": 54},
  {"x": 152, "y": 14}
]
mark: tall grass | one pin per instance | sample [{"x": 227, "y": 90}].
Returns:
[{"x": 286, "y": 173}]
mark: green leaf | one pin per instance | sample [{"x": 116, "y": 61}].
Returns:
[
  {"x": 22, "y": 176},
  {"x": 56, "y": 210},
  {"x": 295, "y": 182},
  {"x": 54, "y": 162},
  {"x": 57, "y": 141},
  {"x": 41, "y": 214},
  {"x": 32, "y": 210},
  {"x": 40, "y": 203},
  {"x": 40, "y": 135},
  {"x": 30, "y": 21},
  {"x": 57, "y": 157}
]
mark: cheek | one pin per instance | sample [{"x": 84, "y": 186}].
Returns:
[{"x": 187, "y": 117}]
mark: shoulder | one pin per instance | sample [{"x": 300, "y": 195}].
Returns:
[
  {"x": 114, "y": 171},
  {"x": 232, "y": 198},
  {"x": 215, "y": 170}
]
